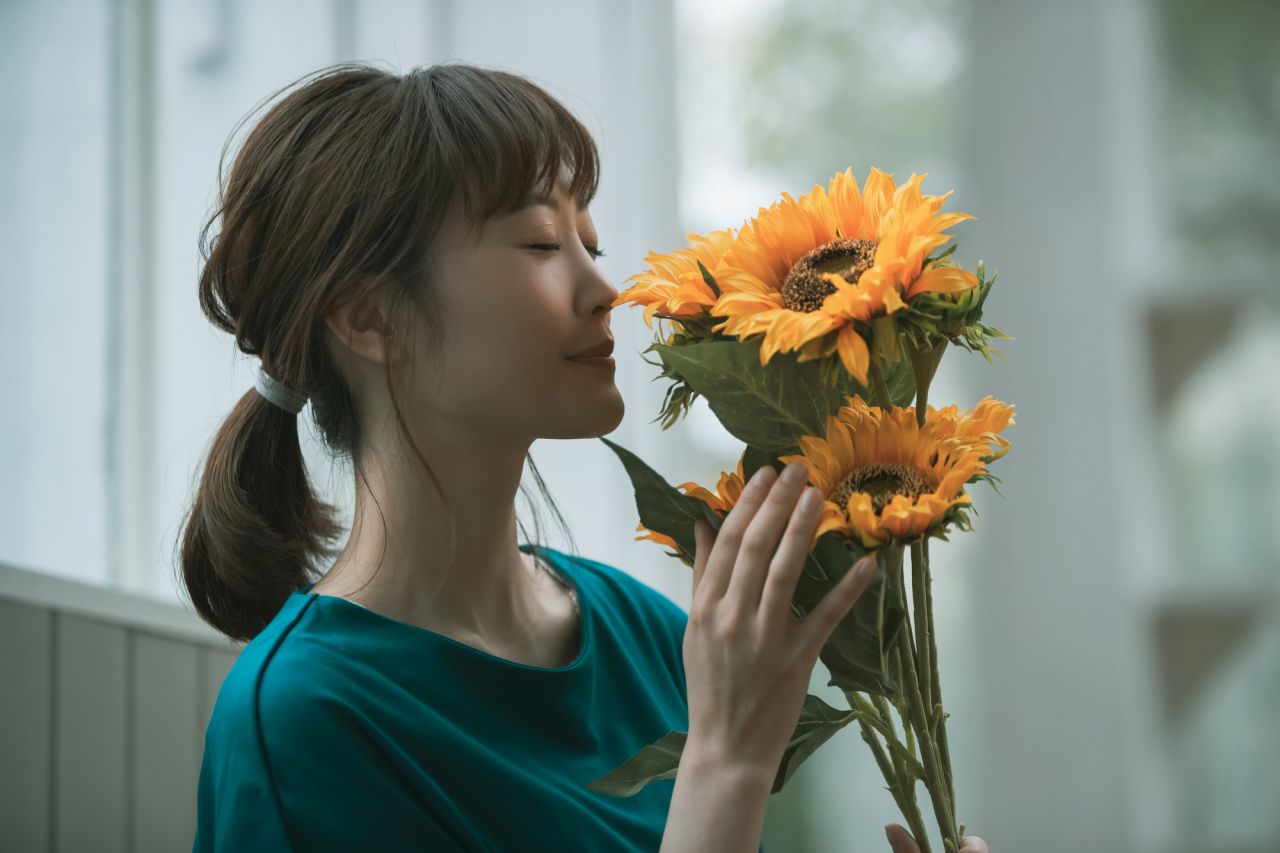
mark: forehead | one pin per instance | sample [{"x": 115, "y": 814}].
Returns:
[{"x": 558, "y": 200}]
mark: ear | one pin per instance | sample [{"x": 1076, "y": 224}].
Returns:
[{"x": 360, "y": 323}]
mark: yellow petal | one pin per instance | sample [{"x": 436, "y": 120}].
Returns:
[
  {"x": 854, "y": 354},
  {"x": 942, "y": 280}
]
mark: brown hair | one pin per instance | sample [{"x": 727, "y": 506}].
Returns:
[{"x": 343, "y": 183}]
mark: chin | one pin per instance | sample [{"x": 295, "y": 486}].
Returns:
[
  {"x": 616, "y": 420},
  {"x": 609, "y": 414},
  {"x": 596, "y": 418}
]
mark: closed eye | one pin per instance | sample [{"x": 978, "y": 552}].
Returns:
[{"x": 595, "y": 251}]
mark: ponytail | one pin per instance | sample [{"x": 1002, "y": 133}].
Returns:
[{"x": 256, "y": 527}]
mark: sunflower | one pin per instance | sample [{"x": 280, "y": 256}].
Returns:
[
  {"x": 885, "y": 479},
  {"x": 983, "y": 423},
  {"x": 812, "y": 273},
  {"x": 673, "y": 284}
]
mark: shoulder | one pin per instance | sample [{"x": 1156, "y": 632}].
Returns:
[
  {"x": 236, "y": 708},
  {"x": 239, "y": 804},
  {"x": 294, "y": 736},
  {"x": 283, "y": 691}
]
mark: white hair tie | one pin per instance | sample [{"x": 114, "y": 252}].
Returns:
[{"x": 278, "y": 393}]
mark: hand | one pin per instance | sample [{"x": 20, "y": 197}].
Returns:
[
  {"x": 748, "y": 659},
  {"x": 901, "y": 841}
]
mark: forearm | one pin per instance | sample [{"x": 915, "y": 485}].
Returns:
[{"x": 717, "y": 806}]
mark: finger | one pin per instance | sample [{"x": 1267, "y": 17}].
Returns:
[
  {"x": 760, "y": 541},
  {"x": 702, "y": 542},
  {"x": 788, "y": 563},
  {"x": 837, "y": 602},
  {"x": 900, "y": 840},
  {"x": 973, "y": 844},
  {"x": 721, "y": 559}
]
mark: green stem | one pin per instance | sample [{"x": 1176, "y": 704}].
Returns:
[
  {"x": 943, "y": 749},
  {"x": 900, "y": 672},
  {"x": 924, "y": 363},
  {"x": 924, "y": 616},
  {"x": 934, "y": 778},
  {"x": 922, "y": 402},
  {"x": 882, "y": 723},
  {"x": 901, "y": 773},
  {"x": 886, "y": 769},
  {"x": 883, "y": 707},
  {"x": 902, "y": 790}
]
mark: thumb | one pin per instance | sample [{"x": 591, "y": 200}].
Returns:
[{"x": 900, "y": 841}]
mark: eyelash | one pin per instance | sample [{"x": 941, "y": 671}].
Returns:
[{"x": 595, "y": 251}]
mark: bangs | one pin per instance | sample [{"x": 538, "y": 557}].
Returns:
[{"x": 505, "y": 141}]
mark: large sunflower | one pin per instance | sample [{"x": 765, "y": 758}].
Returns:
[
  {"x": 812, "y": 273},
  {"x": 886, "y": 479}
]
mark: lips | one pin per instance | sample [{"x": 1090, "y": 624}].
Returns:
[{"x": 603, "y": 348}]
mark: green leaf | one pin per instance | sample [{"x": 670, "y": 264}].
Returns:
[
  {"x": 856, "y": 653},
  {"x": 818, "y": 723},
  {"x": 937, "y": 258},
  {"x": 753, "y": 459},
  {"x": 902, "y": 383},
  {"x": 662, "y": 507},
  {"x": 765, "y": 407},
  {"x": 661, "y": 759},
  {"x": 658, "y": 760},
  {"x": 770, "y": 407}
]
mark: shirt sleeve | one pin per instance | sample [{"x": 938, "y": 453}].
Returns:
[{"x": 236, "y": 808}]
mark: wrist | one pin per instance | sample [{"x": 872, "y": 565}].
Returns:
[{"x": 704, "y": 761}]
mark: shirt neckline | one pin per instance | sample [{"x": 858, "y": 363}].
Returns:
[{"x": 553, "y": 558}]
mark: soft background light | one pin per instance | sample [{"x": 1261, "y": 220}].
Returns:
[{"x": 1109, "y": 636}]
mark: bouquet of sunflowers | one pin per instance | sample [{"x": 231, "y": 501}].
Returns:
[{"x": 813, "y": 334}]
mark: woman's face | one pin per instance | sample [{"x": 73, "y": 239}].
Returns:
[{"x": 514, "y": 308}]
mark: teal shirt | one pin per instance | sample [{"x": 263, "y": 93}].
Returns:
[{"x": 341, "y": 729}]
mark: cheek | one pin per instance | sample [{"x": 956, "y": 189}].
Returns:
[
  {"x": 515, "y": 349},
  {"x": 511, "y": 328}
]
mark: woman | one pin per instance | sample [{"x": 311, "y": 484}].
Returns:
[{"x": 414, "y": 256}]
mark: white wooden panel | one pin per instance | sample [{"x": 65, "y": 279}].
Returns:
[
  {"x": 91, "y": 726},
  {"x": 117, "y": 606},
  {"x": 214, "y": 666},
  {"x": 166, "y": 717},
  {"x": 25, "y": 732}
]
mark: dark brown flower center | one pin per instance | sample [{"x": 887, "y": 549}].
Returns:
[
  {"x": 882, "y": 482},
  {"x": 804, "y": 288}
]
